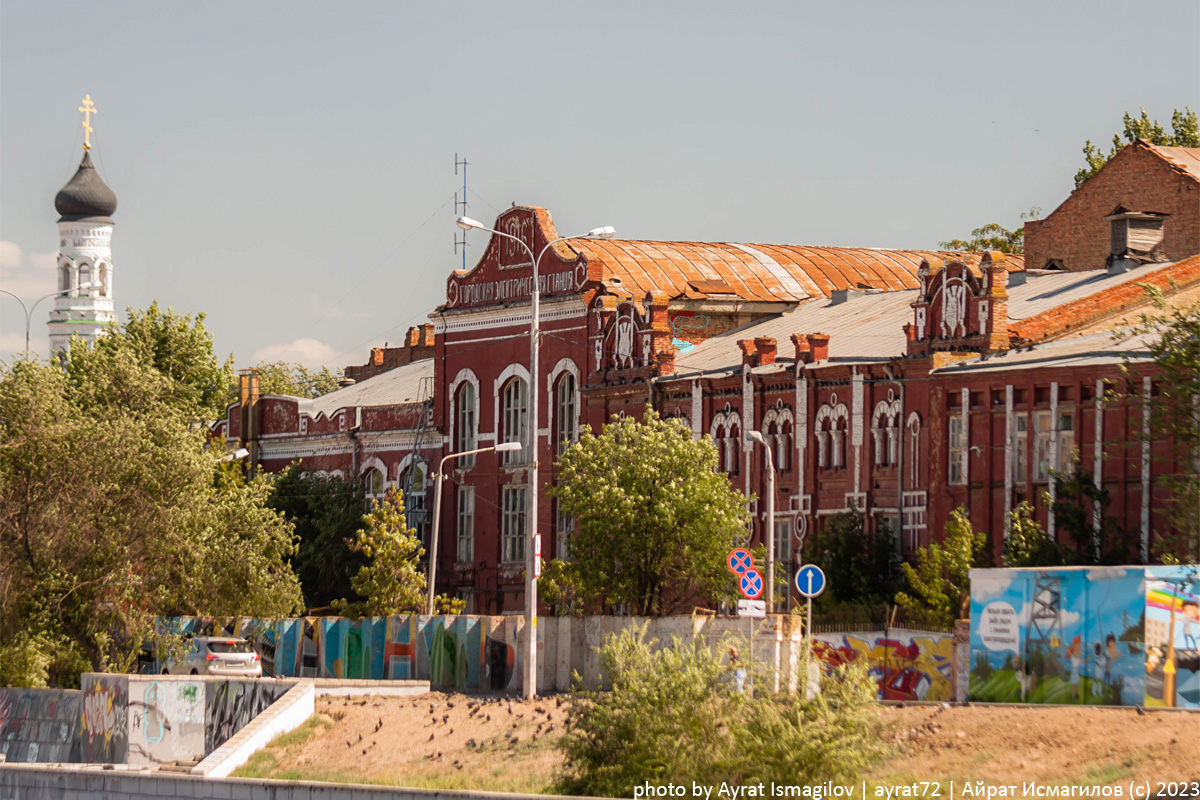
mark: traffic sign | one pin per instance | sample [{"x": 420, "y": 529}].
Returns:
[
  {"x": 739, "y": 561},
  {"x": 752, "y": 584},
  {"x": 752, "y": 608},
  {"x": 810, "y": 580}
]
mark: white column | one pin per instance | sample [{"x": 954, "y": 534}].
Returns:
[
  {"x": 1098, "y": 466},
  {"x": 856, "y": 428},
  {"x": 1145, "y": 470},
  {"x": 1053, "y": 458},
  {"x": 966, "y": 427},
  {"x": 697, "y": 410},
  {"x": 1010, "y": 455}
]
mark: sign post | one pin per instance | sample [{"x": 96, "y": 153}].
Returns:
[{"x": 810, "y": 582}]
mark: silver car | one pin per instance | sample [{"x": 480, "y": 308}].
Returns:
[{"x": 218, "y": 655}]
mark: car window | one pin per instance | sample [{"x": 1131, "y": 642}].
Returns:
[{"x": 230, "y": 647}]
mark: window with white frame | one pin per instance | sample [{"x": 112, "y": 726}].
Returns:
[
  {"x": 465, "y": 431},
  {"x": 563, "y": 529},
  {"x": 512, "y": 525},
  {"x": 783, "y": 447},
  {"x": 415, "y": 513},
  {"x": 567, "y": 418},
  {"x": 837, "y": 444},
  {"x": 1020, "y": 458},
  {"x": 374, "y": 483},
  {"x": 466, "y": 524},
  {"x": 515, "y": 417},
  {"x": 733, "y": 441},
  {"x": 958, "y": 451},
  {"x": 1043, "y": 432}
]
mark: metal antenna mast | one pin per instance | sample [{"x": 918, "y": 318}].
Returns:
[{"x": 460, "y": 209}]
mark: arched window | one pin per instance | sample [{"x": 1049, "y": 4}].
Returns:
[
  {"x": 64, "y": 277},
  {"x": 465, "y": 431},
  {"x": 104, "y": 275},
  {"x": 567, "y": 417},
  {"x": 515, "y": 417},
  {"x": 374, "y": 484},
  {"x": 412, "y": 481},
  {"x": 731, "y": 448},
  {"x": 832, "y": 421},
  {"x": 783, "y": 447},
  {"x": 85, "y": 275}
]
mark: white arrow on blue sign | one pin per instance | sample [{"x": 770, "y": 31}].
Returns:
[{"x": 810, "y": 580}]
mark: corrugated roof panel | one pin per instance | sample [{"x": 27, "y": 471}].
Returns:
[
  {"x": 1078, "y": 351},
  {"x": 1042, "y": 292},
  {"x": 1186, "y": 158},
  {"x": 396, "y": 386}
]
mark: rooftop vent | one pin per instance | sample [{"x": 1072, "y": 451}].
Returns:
[
  {"x": 839, "y": 296},
  {"x": 1136, "y": 238}
]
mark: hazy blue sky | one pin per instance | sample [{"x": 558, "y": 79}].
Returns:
[{"x": 287, "y": 168}]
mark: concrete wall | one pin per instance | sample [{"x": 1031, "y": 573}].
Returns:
[
  {"x": 166, "y": 719},
  {"x": 35, "y": 782},
  {"x": 40, "y": 725}
]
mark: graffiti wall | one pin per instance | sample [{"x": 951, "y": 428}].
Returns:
[
  {"x": 40, "y": 725},
  {"x": 230, "y": 705},
  {"x": 907, "y": 665},
  {"x": 104, "y": 719},
  {"x": 1061, "y": 635},
  {"x": 1172, "y": 636},
  {"x": 166, "y": 719}
]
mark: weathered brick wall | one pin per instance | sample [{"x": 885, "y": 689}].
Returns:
[{"x": 1076, "y": 233}]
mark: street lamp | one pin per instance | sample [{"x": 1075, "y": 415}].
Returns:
[
  {"x": 439, "y": 476},
  {"x": 605, "y": 232},
  {"x": 29, "y": 311},
  {"x": 756, "y": 436}
]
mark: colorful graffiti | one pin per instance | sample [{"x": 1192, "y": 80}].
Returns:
[
  {"x": 230, "y": 705},
  {"x": 1063, "y": 635},
  {"x": 39, "y": 725},
  {"x": 1172, "y": 636},
  {"x": 104, "y": 731},
  {"x": 907, "y": 665}
]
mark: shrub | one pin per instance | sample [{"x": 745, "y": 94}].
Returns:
[{"x": 672, "y": 717}]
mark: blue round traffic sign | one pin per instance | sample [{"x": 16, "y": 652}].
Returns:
[
  {"x": 740, "y": 560},
  {"x": 810, "y": 580},
  {"x": 752, "y": 584}
]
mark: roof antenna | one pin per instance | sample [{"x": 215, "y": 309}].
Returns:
[{"x": 460, "y": 210}]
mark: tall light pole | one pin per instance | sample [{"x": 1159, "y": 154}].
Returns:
[
  {"x": 756, "y": 436},
  {"x": 29, "y": 311},
  {"x": 535, "y": 293},
  {"x": 439, "y": 476}
]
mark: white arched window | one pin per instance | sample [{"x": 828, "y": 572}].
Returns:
[
  {"x": 885, "y": 431},
  {"x": 104, "y": 277},
  {"x": 64, "y": 276},
  {"x": 465, "y": 425},
  {"x": 777, "y": 431},
  {"x": 833, "y": 419},
  {"x": 567, "y": 414},
  {"x": 412, "y": 482},
  {"x": 85, "y": 275},
  {"x": 374, "y": 483},
  {"x": 515, "y": 418}
]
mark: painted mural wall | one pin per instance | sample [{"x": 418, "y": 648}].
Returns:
[
  {"x": 40, "y": 725},
  {"x": 907, "y": 665},
  {"x": 166, "y": 719},
  {"x": 104, "y": 721},
  {"x": 1086, "y": 635}
]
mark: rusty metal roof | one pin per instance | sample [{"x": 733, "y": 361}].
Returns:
[
  {"x": 1186, "y": 159},
  {"x": 1078, "y": 351},
  {"x": 761, "y": 272}
]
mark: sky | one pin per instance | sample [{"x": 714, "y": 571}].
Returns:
[{"x": 288, "y": 169}]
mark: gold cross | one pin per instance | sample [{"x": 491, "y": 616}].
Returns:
[{"x": 88, "y": 109}]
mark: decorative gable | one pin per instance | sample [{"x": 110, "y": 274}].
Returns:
[{"x": 959, "y": 309}]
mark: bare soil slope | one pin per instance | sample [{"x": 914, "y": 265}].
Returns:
[{"x": 459, "y": 741}]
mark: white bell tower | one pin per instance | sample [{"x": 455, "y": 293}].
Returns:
[{"x": 85, "y": 226}]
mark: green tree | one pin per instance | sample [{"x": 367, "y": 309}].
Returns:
[
  {"x": 1027, "y": 544},
  {"x": 940, "y": 582},
  {"x": 390, "y": 582},
  {"x": 672, "y": 717},
  {"x": 860, "y": 567},
  {"x": 327, "y": 513},
  {"x": 113, "y": 511},
  {"x": 180, "y": 349},
  {"x": 1076, "y": 500},
  {"x": 297, "y": 380},
  {"x": 1173, "y": 339},
  {"x": 1184, "y": 133},
  {"x": 994, "y": 237},
  {"x": 656, "y": 519}
]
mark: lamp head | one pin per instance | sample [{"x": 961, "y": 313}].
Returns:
[
  {"x": 605, "y": 232},
  {"x": 507, "y": 447},
  {"x": 466, "y": 223},
  {"x": 755, "y": 436}
]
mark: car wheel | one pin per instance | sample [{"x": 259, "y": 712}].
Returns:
[
  {"x": 194, "y": 672},
  {"x": 166, "y": 671}
]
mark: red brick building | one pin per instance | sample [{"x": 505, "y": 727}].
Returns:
[{"x": 903, "y": 383}]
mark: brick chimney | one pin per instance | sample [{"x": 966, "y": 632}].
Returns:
[
  {"x": 819, "y": 344},
  {"x": 748, "y": 352},
  {"x": 803, "y": 350},
  {"x": 995, "y": 267},
  {"x": 765, "y": 345}
]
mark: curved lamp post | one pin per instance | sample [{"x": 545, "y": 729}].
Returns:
[
  {"x": 439, "y": 476},
  {"x": 29, "y": 310},
  {"x": 606, "y": 232}
]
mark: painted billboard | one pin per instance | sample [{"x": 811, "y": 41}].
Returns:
[
  {"x": 907, "y": 665},
  {"x": 1086, "y": 635},
  {"x": 1172, "y": 635}
]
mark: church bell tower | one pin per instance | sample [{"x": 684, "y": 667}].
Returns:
[{"x": 85, "y": 205}]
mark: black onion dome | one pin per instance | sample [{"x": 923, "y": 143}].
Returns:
[{"x": 86, "y": 197}]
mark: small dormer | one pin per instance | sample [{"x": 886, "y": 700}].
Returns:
[{"x": 1136, "y": 238}]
